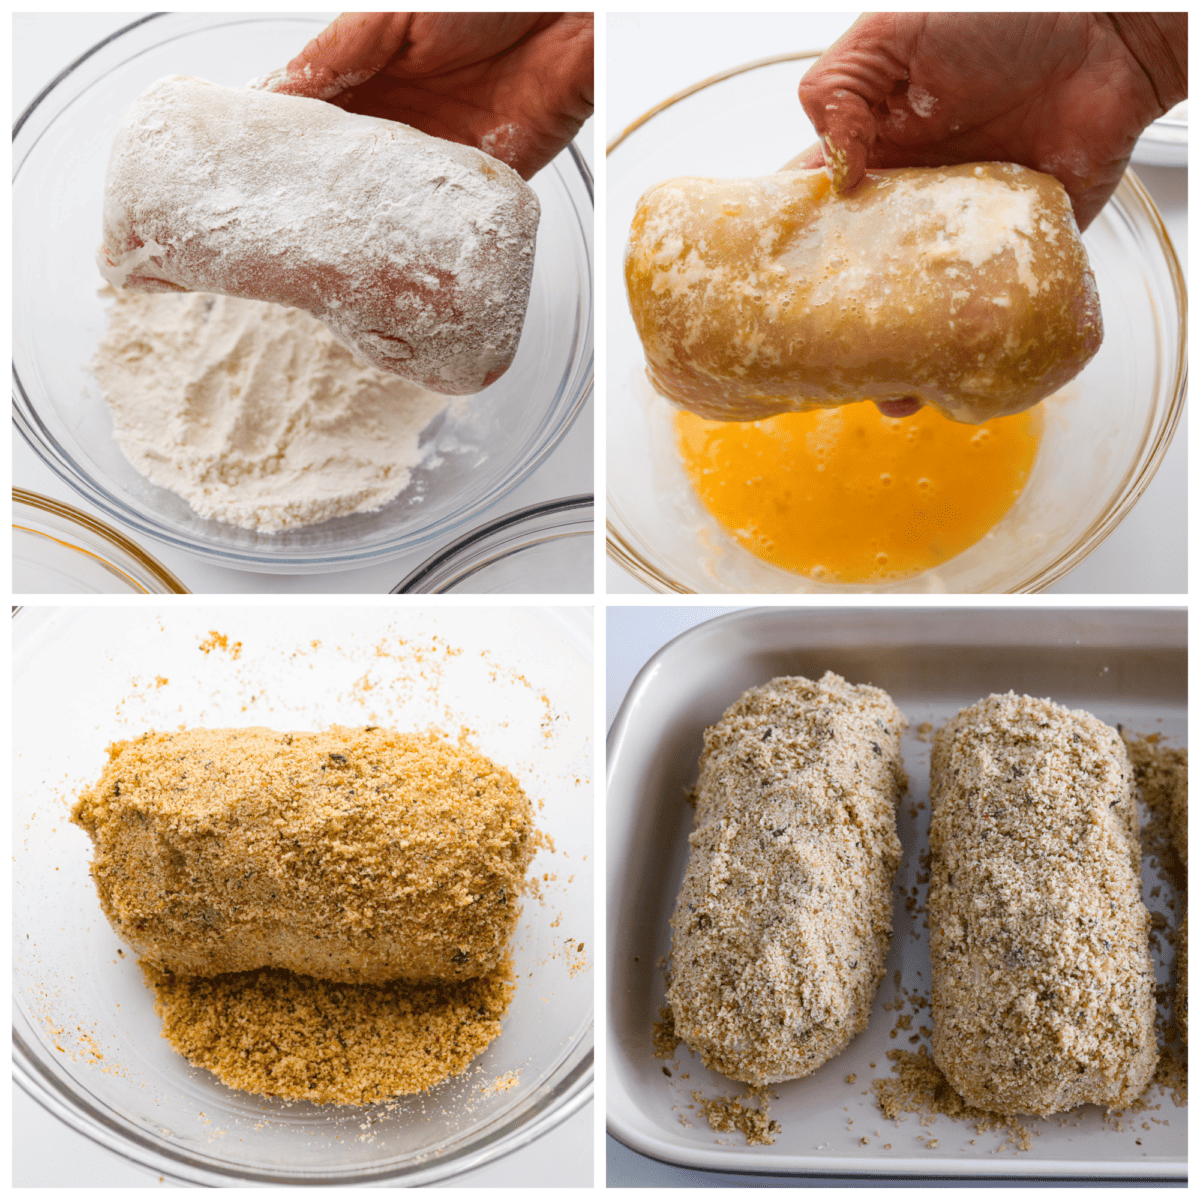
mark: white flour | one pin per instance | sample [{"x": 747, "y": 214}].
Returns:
[{"x": 255, "y": 414}]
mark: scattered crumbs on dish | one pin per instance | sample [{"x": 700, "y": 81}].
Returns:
[
  {"x": 728, "y": 1114},
  {"x": 851, "y": 1078},
  {"x": 1171, "y": 1074},
  {"x": 666, "y": 1041},
  {"x": 925, "y": 731},
  {"x": 920, "y": 1087},
  {"x": 502, "y": 1083},
  {"x": 1157, "y": 771}
]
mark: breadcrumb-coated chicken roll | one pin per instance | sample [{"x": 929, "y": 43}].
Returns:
[
  {"x": 1043, "y": 989},
  {"x": 1178, "y": 782},
  {"x": 357, "y": 855},
  {"x": 785, "y": 914}
]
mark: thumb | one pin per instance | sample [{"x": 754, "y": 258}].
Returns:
[
  {"x": 844, "y": 125},
  {"x": 355, "y": 47},
  {"x": 845, "y": 86}
]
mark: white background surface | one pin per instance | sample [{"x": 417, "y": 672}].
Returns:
[
  {"x": 42, "y": 46},
  {"x": 650, "y": 57}
]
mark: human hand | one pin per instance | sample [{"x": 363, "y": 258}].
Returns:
[
  {"x": 516, "y": 85},
  {"x": 1063, "y": 93}
]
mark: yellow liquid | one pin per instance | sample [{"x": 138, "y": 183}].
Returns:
[{"x": 849, "y": 495}]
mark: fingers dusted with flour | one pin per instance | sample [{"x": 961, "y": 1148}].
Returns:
[
  {"x": 516, "y": 85},
  {"x": 1063, "y": 93}
]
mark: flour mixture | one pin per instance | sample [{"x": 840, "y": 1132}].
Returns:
[{"x": 255, "y": 414}]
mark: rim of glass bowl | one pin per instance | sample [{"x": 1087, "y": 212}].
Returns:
[
  {"x": 541, "y": 1111},
  {"x": 1150, "y": 452},
  {"x": 52, "y": 519},
  {"x": 549, "y": 1107},
  {"x": 561, "y": 412},
  {"x": 571, "y": 516}
]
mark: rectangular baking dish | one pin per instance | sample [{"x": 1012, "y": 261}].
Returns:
[{"x": 1129, "y": 667}]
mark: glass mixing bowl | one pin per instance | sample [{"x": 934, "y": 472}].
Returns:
[
  {"x": 479, "y": 451},
  {"x": 545, "y": 549},
  {"x": 57, "y": 548},
  {"x": 1104, "y": 435},
  {"x": 86, "y": 1042}
]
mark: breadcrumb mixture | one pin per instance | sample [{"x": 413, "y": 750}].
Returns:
[
  {"x": 359, "y": 855},
  {"x": 275, "y": 1033},
  {"x": 785, "y": 913},
  {"x": 666, "y": 1040},
  {"x": 1161, "y": 773},
  {"x": 1043, "y": 989}
]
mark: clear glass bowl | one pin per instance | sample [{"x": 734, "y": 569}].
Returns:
[
  {"x": 1104, "y": 435},
  {"x": 60, "y": 150},
  {"x": 1164, "y": 142},
  {"x": 86, "y": 1042},
  {"x": 545, "y": 548},
  {"x": 57, "y": 548}
]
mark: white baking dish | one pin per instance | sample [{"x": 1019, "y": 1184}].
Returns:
[{"x": 1126, "y": 666}]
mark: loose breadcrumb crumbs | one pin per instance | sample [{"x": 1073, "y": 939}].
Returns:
[
  {"x": 1161, "y": 773},
  {"x": 666, "y": 1040},
  {"x": 920, "y": 1087},
  {"x": 728, "y": 1114},
  {"x": 275, "y": 1033}
]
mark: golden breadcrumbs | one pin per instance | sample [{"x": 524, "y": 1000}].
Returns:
[
  {"x": 279, "y": 1034},
  {"x": 362, "y": 855},
  {"x": 1161, "y": 773},
  {"x": 666, "y": 1040},
  {"x": 918, "y": 1086}
]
